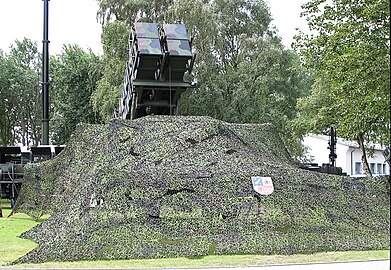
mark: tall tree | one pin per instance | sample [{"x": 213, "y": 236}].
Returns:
[
  {"x": 75, "y": 73},
  {"x": 350, "y": 57},
  {"x": 19, "y": 91},
  {"x": 115, "y": 55},
  {"x": 131, "y": 10},
  {"x": 26, "y": 59},
  {"x": 6, "y": 115},
  {"x": 243, "y": 72}
]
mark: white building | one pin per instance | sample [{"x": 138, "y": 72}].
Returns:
[{"x": 348, "y": 155}]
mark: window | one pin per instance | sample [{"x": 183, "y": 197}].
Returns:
[
  {"x": 373, "y": 168},
  {"x": 358, "y": 168},
  {"x": 385, "y": 169},
  {"x": 379, "y": 168}
]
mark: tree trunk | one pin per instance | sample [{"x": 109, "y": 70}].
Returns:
[{"x": 367, "y": 169}]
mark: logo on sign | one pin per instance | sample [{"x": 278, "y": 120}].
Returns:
[{"x": 262, "y": 185}]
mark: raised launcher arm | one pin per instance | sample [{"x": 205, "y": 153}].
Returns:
[{"x": 154, "y": 74}]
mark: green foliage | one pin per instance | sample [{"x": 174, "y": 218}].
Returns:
[
  {"x": 19, "y": 94},
  {"x": 6, "y": 118},
  {"x": 243, "y": 72},
  {"x": 74, "y": 77},
  {"x": 74, "y": 74},
  {"x": 315, "y": 110},
  {"x": 131, "y": 10},
  {"x": 112, "y": 197},
  {"x": 349, "y": 53},
  {"x": 115, "y": 48}
]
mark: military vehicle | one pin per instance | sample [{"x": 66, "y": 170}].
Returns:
[
  {"x": 330, "y": 167},
  {"x": 160, "y": 57},
  {"x": 12, "y": 161}
]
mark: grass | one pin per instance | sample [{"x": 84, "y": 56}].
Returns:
[
  {"x": 12, "y": 247},
  {"x": 221, "y": 261}
]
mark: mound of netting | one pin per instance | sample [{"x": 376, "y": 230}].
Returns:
[{"x": 181, "y": 186}]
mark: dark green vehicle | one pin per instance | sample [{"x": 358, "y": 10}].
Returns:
[
  {"x": 12, "y": 161},
  {"x": 159, "y": 58}
]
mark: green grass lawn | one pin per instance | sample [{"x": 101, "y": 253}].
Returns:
[{"x": 12, "y": 247}]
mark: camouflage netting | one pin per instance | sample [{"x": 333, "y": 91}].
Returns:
[{"x": 180, "y": 186}]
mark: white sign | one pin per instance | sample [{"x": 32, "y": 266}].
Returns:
[{"x": 262, "y": 185}]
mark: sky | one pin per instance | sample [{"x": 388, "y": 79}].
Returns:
[
  {"x": 70, "y": 21},
  {"x": 74, "y": 22},
  {"x": 286, "y": 17}
]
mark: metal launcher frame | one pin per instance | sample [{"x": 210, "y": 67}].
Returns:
[
  {"x": 159, "y": 59},
  {"x": 12, "y": 162}
]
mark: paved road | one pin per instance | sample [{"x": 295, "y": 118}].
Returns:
[{"x": 367, "y": 265}]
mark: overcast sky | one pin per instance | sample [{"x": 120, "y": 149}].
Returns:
[
  {"x": 74, "y": 21},
  {"x": 286, "y": 17},
  {"x": 70, "y": 21}
]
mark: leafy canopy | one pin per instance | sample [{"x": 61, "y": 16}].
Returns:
[
  {"x": 244, "y": 73},
  {"x": 349, "y": 54},
  {"x": 75, "y": 73},
  {"x": 19, "y": 94}
]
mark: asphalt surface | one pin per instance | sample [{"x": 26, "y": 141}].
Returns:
[{"x": 364, "y": 265}]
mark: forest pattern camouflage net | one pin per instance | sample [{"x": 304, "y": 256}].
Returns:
[{"x": 163, "y": 186}]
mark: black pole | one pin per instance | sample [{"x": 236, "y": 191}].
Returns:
[
  {"x": 45, "y": 74},
  {"x": 332, "y": 146}
]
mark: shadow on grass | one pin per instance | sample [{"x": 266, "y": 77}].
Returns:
[{"x": 200, "y": 257}]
